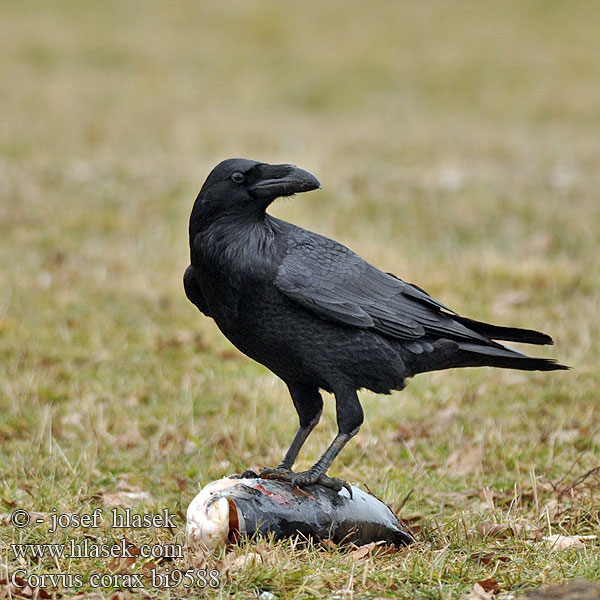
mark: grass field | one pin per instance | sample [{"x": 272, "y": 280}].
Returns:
[{"x": 458, "y": 147}]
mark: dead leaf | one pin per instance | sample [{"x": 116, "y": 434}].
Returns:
[
  {"x": 490, "y": 585},
  {"x": 8, "y": 590},
  {"x": 182, "y": 483},
  {"x": 412, "y": 523},
  {"x": 121, "y": 595},
  {"x": 553, "y": 510},
  {"x": 147, "y": 567},
  {"x": 182, "y": 338},
  {"x": 131, "y": 438},
  {"x": 478, "y": 593},
  {"x": 362, "y": 551},
  {"x": 485, "y": 558},
  {"x": 560, "y": 542},
  {"x": 233, "y": 563},
  {"x": 329, "y": 545},
  {"x": 199, "y": 558},
  {"x": 465, "y": 460},
  {"x": 246, "y": 560},
  {"x": 407, "y": 431},
  {"x": 367, "y": 549},
  {"x": 126, "y": 495},
  {"x": 231, "y": 355},
  {"x": 518, "y": 529},
  {"x": 489, "y": 529},
  {"x": 121, "y": 565}
]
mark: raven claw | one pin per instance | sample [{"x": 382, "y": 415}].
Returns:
[
  {"x": 279, "y": 473},
  {"x": 308, "y": 478},
  {"x": 305, "y": 478},
  {"x": 247, "y": 474}
]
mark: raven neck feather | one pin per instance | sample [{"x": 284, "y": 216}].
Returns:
[{"x": 236, "y": 245}]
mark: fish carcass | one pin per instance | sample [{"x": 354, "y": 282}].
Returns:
[{"x": 232, "y": 507}]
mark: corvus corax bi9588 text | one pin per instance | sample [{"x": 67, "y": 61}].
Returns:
[{"x": 317, "y": 314}]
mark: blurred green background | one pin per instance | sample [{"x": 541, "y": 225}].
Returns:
[{"x": 458, "y": 147}]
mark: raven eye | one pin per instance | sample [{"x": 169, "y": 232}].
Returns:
[{"x": 237, "y": 177}]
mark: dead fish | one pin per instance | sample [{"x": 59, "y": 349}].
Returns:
[{"x": 230, "y": 507}]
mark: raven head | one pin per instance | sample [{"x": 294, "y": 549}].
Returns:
[{"x": 245, "y": 188}]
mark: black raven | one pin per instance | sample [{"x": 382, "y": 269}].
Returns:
[{"x": 317, "y": 314}]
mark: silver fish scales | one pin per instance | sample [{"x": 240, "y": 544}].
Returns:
[{"x": 233, "y": 507}]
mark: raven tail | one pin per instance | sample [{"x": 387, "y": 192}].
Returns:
[
  {"x": 476, "y": 355},
  {"x": 508, "y": 334}
]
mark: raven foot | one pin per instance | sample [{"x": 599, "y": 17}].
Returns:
[
  {"x": 309, "y": 477},
  {"x": 247, "y": 474},
  {"x": 279, "y": 473},
  {"x": 305, "y": 478}
]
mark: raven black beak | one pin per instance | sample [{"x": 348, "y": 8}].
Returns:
[{"x": 283, "y": 180}]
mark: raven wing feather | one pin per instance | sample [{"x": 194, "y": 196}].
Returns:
[
  {"x": 337, "y": 284},
  {"x": 193, "y": 291}
]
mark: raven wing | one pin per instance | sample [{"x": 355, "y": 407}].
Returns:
[
  {"x": 336, "y": 284},
  {"x": 193, "y": 291}
]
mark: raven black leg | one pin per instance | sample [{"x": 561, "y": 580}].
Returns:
[
  {"x": 349, "y": 419},
  {"x": 309, "y": 406}
]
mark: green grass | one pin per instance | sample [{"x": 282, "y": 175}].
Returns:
[{"x": 458, "y": 147}]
